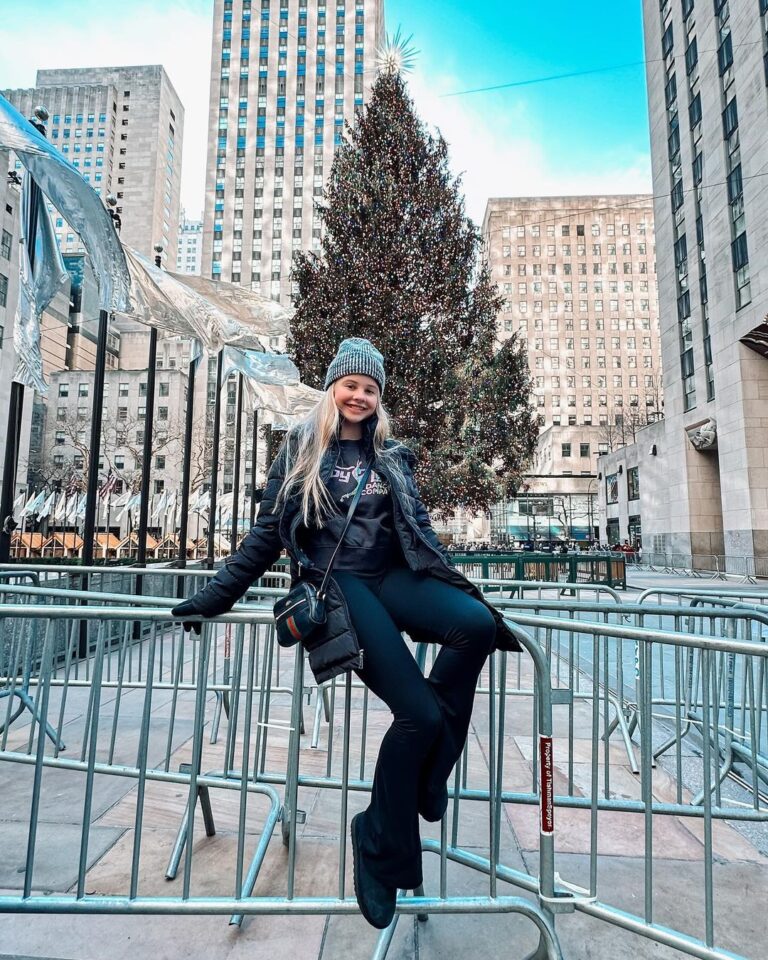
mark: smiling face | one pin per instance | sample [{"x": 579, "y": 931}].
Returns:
[{"x": 356, "y": 397}]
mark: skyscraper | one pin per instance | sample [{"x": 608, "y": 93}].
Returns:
[
  {"x": 285, "y": 74},
  {"x": 123, "y": 128},
  {"x": 189, "y": 254},
  {"x": 578, "y": 277},
  {"x": 704, "y": 491}
]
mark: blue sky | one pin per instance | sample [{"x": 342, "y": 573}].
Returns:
[{"x": 578, "y": 135}]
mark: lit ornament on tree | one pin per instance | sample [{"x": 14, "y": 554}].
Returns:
[{"x": 401, "y": 265}]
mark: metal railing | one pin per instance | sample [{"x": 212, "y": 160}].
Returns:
[
  {"x": 169, "y": 701},
  {"x": 705, "y": 566},
  {"x": 594, "y": 568},
  {"x": 685, "y": 686}
]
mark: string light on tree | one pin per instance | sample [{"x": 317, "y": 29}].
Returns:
[{"x": 400, "y": 264}]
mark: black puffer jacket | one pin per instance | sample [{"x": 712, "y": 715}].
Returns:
[{"x": 333, "y": 648}]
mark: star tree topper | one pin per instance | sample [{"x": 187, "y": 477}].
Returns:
[{"x": 396, "y": 55}]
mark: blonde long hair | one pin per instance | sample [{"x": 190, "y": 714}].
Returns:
[{"x": 305, "y": 446}]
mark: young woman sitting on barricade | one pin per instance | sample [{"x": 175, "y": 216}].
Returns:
[{"x": 366, "y": 565}]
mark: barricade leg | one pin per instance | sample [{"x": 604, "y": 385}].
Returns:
[
  {"x": 27, "y": 703},
  {"x": 320, "y": 706},
  {"x": 203, "y": 795},
  {"x": 290, "y": 815},
  {"x": 727, "y": 751},
  {"x": 620, "y": 721}
]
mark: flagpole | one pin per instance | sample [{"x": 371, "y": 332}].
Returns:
[
  {"x": 106, "y": 532},
  {"x": 23, "y": 521}
]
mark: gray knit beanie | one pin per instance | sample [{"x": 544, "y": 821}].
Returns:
[{"x": 357, "y": 355}]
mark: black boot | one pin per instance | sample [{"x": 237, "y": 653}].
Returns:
[{"x": 376, "y": 900}]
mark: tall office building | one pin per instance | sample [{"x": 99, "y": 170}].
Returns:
[
  {"x": 285, "y": 74},
  {"x": 189, "y": 253},
  {"x": 704, "y": 490},
  {"x": 578, "y": 277},
  {"x": 123, "y": 128}
]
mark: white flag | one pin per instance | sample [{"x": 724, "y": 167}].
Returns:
[
  {"x": 160, "y": 506},
  {"x": 71, "y": 510},
  {"x": 47, "y": 508},
  {"x": 32, "y": 505},
  {"x": 60, "y": 510}
]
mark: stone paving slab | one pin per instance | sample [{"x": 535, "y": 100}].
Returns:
[
  {"x": 100, "y": 937},
  {"x": 740, "y": 924},
  {"x": 57, "y": 851},
  {"x": 62, "y": 796}
]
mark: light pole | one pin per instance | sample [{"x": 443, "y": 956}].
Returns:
[
  {"x": 149, "y": 413},
  {"x": 591, "y": 509},
  {"x": 97, "y": 411}
]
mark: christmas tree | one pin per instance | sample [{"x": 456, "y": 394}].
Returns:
[{"x": 400, "y": 265}]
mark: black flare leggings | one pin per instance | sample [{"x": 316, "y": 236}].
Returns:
[{"x": 431, "y": 714}]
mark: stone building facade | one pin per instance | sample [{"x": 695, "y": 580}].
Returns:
[
  {"x": 578, "y": 277},
  {"x": 284, "y": 78},
  {"x": 123, "y": 128},
  {"x": 189, "y": 250},
  {"x": 705, "y": 490}
]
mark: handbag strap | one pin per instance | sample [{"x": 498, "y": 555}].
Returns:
[{"x": 352, "y": 507}]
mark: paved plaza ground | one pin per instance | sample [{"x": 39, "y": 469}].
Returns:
[{"x": 740, "y": 864}]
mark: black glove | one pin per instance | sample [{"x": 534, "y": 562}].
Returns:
[{"x": 185, "y": 609}]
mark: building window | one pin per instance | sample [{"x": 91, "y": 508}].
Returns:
[
  {"x": 584, "y": 450},
  {"x": 5, "y": 245},
  {"x": 741, "y": 270},
  {"x": 160, "y": 463},
  {"x": 730, "y": 119},
  {"x": 612, "y": 488},
  {"x": 667, "y": 41},
  {"x": 633, "y": 483},
  {"x": 565, "y": 450},
  {"x": 3, "y": 290}
]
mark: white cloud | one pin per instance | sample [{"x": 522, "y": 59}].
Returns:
[
  {"x": 499, "y": 151},
  {"x": 494, "y": 143},
  {"x": 176, "y": 34}
]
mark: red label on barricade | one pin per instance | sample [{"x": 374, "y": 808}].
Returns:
[{"x": 547, "y": 785}]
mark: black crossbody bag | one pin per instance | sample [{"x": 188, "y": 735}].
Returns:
[{"x": 302, "y": 610}]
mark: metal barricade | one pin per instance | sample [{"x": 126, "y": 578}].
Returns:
[
  {"x": 701, "y": 699},
  {"x": 140, "y": 741},
  {"x": 687, "y": 685}
]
